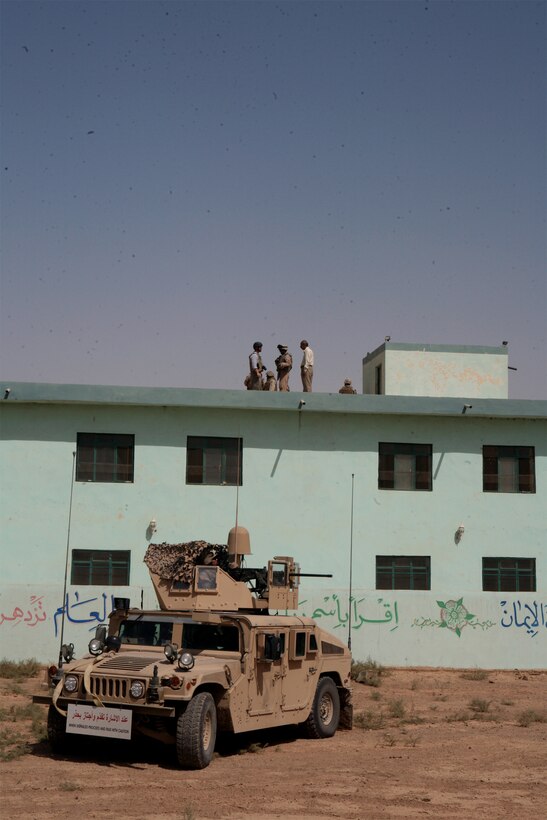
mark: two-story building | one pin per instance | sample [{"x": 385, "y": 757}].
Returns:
[{"x": 425, "y": 497}]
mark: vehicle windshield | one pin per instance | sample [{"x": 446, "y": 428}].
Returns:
[
  {"x": 220, "y": 637},
  {"x": 146, "y": 632}
]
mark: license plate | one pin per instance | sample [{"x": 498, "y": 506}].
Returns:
[{"x": 102, "y": 721}]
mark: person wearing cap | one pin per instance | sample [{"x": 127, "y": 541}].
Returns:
[
  {"x": 270, "y": 383},
  {"x": 306, "y": 368},
  {"x": 283, "y": 365},
  {"x": 256, "y": 368},
  {"x": 347, "y": 387}
]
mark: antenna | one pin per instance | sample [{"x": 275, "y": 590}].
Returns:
[
  {"x": 237, "y": 487},
  {"x": 66, "y": 561},
  {"x": 350, "y": 561}
]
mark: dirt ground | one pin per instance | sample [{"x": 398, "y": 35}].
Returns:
[{"x": 432, "y": 743}]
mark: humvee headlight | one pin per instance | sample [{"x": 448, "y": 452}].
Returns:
[
  {"x": 137, "y": 689},
  {"x": 186, "y": 661},
  {"x": 170, "y": 652},
  {"x": 70, "y": 683},
  {"x": 95, "y": 646}
]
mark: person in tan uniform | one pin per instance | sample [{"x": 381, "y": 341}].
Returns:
[
  {"x": 306, "y": 368},
  {"x": 283, "y": 365},
  {"x": 347, "y": 387},
  {"x": 256, "y": 368},
  {"x": 270, "y": 383}
]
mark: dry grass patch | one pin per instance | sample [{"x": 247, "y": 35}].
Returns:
[
  {"x": 368, "y": 672},
  {"x": 530, "y": 716},
  {"x": 480, "y": 705},
  {"x": 396, "y": 708},
  {"x": 474, "y": 674},
  {"x": 369, "y": 720},
  {"x": 19, "y": 670}
]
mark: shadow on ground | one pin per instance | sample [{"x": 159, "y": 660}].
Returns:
[{"x": 145, "y": 751}]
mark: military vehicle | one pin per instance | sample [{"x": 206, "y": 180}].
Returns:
[{"x": 216, "y": 656}]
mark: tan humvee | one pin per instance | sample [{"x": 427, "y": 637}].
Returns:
[{"x": 215, "y": 656}]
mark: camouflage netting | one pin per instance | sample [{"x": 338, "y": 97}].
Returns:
[{"x": 177, "y": 561}]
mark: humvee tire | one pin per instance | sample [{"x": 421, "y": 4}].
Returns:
[
  {"x": 197, "y": 732},
  {"x": 324, "y": 717},
  {"x": 56, "y": 730}
]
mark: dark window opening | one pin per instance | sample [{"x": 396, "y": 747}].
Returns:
[
  {"x": 404, "y": 466},
  {"x": 378, "y": 380},
  {"x": 403, "y": 572},
  {"x": 108, "y": 567},
  {"x": 214, "y": 460},
  {"x": 509, "y": 574},
  {"x": 218, "y": 637},
  {"x": 328, "y": 648},
  {"x": 508, "y": 469},
  {"x": 146, "y": 632},
  {"x": 300, "y": 645},
  {"x": 104, "y": 457}
]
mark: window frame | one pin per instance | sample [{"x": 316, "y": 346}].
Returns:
[
  {"x": 229, "y": 461},
  {"x": 395, "y": 566},
  {"x": 87, "y": 471},
  {"x": 95, "y": 565},
  {"x": 516, "y": 574},
  {"x": 523, "y": 457},
  {"x": 421, "y": 474}
]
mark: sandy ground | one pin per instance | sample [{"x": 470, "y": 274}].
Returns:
[{"x": 445, "y": 746}]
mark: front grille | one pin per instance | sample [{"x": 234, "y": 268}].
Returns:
[
  {"x": 130, "y": 663},
  {"x": 111, "y": 688}
]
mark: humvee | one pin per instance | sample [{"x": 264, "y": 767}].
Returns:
[{"x": 216, "y": 656}]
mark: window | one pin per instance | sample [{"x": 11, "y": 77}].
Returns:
[
  {"x": 403, "y": 572},
  {"x": 509, "y": 574},
  {"x": 213, "y": 460},
  {"x": 508, "y": 469},
  {"x": 297, "y": 645},
  {"x": 404, "y": 466},
  {"x": 197, "y": 637},
  {"x": 109, "y": 567},
  {"x": 146, "y": 631},
  {"x": 104, "y": 457},
  {"x": 378, "y": 380}
]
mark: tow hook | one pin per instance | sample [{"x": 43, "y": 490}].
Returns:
[{"x": 154, "y": 687}]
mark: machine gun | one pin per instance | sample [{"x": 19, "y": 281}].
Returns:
[{"x": 199, "y": 576}]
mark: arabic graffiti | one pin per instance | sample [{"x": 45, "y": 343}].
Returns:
[
  {"x": 31, "y": 618},
  {"x": 93, "y": 616},
  {"x": 531, "y": 616},
  {"x": 36, "y": 613},
  {"x": 334, "y": 608},
  {"x": 453, "y": 616}
]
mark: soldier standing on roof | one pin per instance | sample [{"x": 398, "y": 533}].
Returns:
[
  {"x": 306, "y": 368},
  {"x": 256, "y": 368},
  {"x": 283, "y": 364}
]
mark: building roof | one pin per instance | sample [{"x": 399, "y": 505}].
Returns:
[{"x": 42, "y": 393}]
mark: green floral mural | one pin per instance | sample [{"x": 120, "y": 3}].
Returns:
[{"x": 453, "y": 616}]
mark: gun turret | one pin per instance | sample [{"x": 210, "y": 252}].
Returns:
[{"x": 200, "y": 576}]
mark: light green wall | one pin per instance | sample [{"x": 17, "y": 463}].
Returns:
[
  {"x": 438, "y": 370},
  {"x": 295, "y": 499}
]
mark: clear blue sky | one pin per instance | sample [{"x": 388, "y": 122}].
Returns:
[{"x": 182, "y": 179}]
